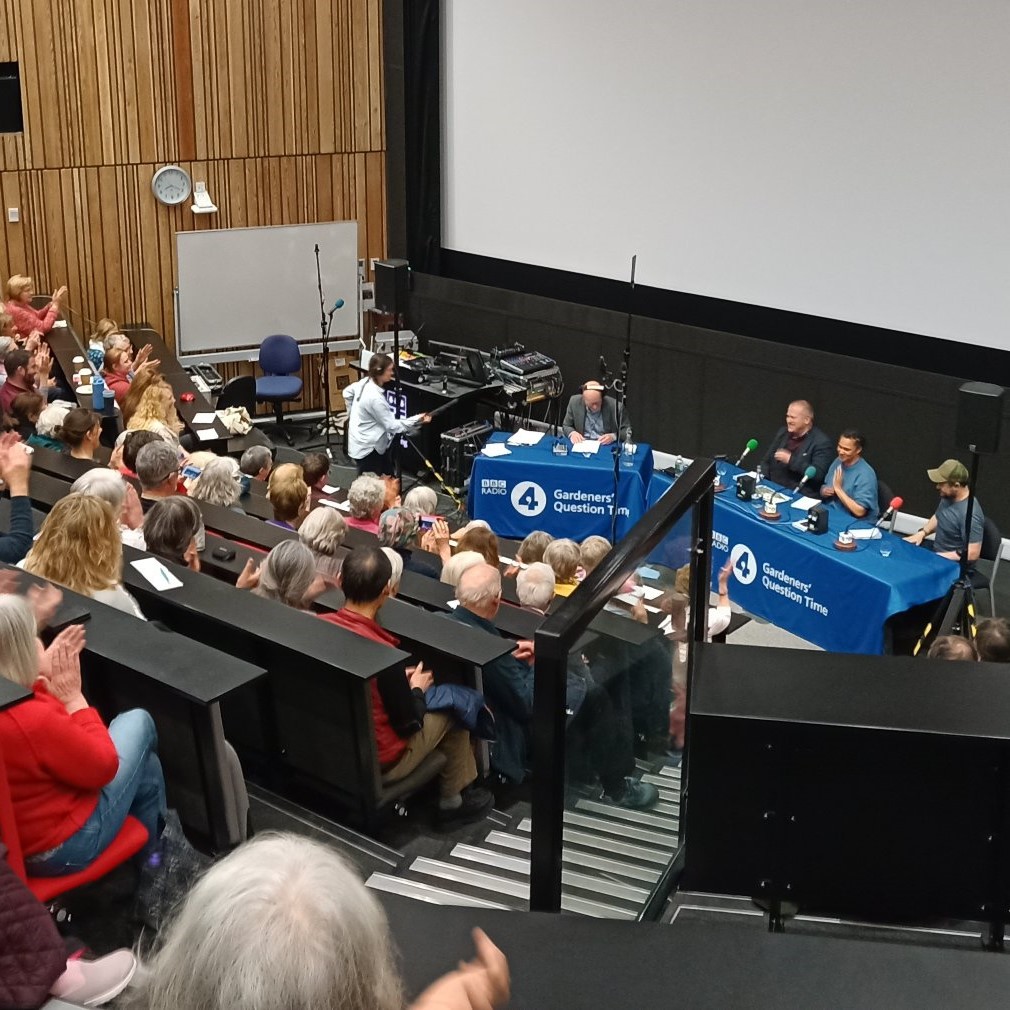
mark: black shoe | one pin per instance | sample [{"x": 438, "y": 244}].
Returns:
[{"x": 476, "y": 803}]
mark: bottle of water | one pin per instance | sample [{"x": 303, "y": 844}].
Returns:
[
  {"x": 97, "y": 392},
  {"x": 628, "y": 452}
]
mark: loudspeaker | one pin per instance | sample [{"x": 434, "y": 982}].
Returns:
[
  {"x": 11, "y": 119},
  {"x": 391, "y": 285},
  {"x": 979, "y": 416},
  {"x": 817, "y": 520},
  {"x": 745, "y": 485}
]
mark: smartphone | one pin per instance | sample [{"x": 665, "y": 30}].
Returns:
[
  {"x": 426, "y": 522},
  {"x": 190, "y": 472},
  {"x": 223, "y": 553}
]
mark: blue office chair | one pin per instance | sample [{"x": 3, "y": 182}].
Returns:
[{"x": 279, "y": 358}]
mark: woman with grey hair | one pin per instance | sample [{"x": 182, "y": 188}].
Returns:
[
  {"x": 396, "y": 563},
  {"x": 366, "y": 496},
  {"x": 323, "y": 531},
  {"x": 284, "y": 921},
  {"x": 421, "y": 499},
  {"x": 110, "y": 486},
  {"x": 171, "y": 528},
  {"x": 50, "y": 421},
  {"x": 288, "y": 575},
  {"x": 535, "y": 586},
  {"x": 220, "y": 483}
]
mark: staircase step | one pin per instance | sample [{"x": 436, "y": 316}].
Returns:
[
  {"x": 578, "y": 858},
  {"x": 624, "y": 831},
  {"x": 425, "y": 892},
  {"x": 643, "y": 818}
]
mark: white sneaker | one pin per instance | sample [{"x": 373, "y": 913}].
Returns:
[{"x": 92, "y": 983}]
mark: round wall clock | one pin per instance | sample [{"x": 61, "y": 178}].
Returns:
[{"x": 171, "y": 185}]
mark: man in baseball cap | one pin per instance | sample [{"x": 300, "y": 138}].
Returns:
[{"x": 951, "y": 480}]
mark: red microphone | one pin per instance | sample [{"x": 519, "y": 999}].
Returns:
[{"x": 893, "y": 507}]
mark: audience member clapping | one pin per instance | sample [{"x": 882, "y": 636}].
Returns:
[
  {"x": 289, "y": 576},
  {"x": 173, "y": 528},
  {"x": 992, "y": 639},
  {"x": 953, "y": 647},
  {"x": 119, "y": 367},
  {"x": 79, "y": 546},
  {"x": 366, "y": 497},
  {"x": 285, "y": 922},
  {"x": 323, "y": 532},
  {"x": 27, "y": 319},
  {"x": 453, "y": 569},
  {"x": 81, "y": 432},
  {"x": 289, "y": 496},
  {"x": 564, "y": 558},
  {"x": 110, "y": 487},
  {"x": 27, "y": 372},
  {"x": 219, "y": 483},
  {"x": 15, "y": 467}
]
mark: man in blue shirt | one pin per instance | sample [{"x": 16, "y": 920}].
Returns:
[
  {"x": 951, "y": 480},
  {"x": 851, "y": 483}
]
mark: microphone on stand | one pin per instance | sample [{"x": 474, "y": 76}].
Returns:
[
  {"x": 808, "y": 474},
  {"x": 604, "y": 371},
  {"x": 892, "y": 507},
  {"x": 338, "y": 304},
  {"x": 751, "y": 445}
]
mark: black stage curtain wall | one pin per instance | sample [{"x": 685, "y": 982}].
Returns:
[{"x": 697, "y": 391}]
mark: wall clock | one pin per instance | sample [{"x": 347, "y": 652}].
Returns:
[{"x": 171, "y": 185}]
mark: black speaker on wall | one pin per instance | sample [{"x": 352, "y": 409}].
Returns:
[
  {"x": 391, "y": 285},
  {"x": 11, "y": 119},
  {"x": 979, "y": 416}
]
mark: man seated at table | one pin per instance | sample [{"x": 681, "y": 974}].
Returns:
[
  {"x": 951, "y": 480},
  {"x": 851, "y": 483},
  {"x": 796, "y": 446},
  {"x": 591, "y": 415},
  {"x": 405, "y": 731},
  {"x": 599, "y": 745}
]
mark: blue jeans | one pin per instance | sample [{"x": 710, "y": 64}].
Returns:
[{"x": 138, "y": 788}]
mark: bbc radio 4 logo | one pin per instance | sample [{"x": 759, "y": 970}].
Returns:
[
  {"x": 529, "y": 498},
  {"x": 493, "y": 486}
]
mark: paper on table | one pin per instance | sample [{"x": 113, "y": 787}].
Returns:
[
  {"x": 452, "y": 604},
  {"x": 525, "y": 437},
  {"x": 648, "y": 573},
  {"x": 330, "y": 489},
  {"x": 496, "y": 449},
  {"x": 649, "y": 592},
  {"x": 805, "y": 503},
  {"x": 156, "y": 573},
  {"x": 205, "y": 417},
  {"x": 342, "y": 505},
  {"x": 589, "y": 446},
  {"x": 873, "y": 534},
  {"x": 206, "y": 434},
  {"x": 59, "y": 324}
]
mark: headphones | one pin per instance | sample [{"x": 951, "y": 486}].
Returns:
[{"x": 593, "y": 387}]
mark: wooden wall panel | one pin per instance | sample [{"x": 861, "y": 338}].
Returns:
[{"x": 276, "y": 104}]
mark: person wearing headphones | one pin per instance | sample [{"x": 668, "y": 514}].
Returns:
[
  {"x": 591, "y": 415},
  {"x": 371, "y": 424}
]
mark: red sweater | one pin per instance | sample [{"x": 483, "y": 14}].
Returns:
[
  {"x": 389, "y": 743},
  {"x": 56, "y": 765},
  {"x": 26, "y": 318},
  {"x": 119, "y": 384}
]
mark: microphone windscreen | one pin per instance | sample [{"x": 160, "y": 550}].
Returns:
[
  {"x": 810, "y": 471},
  {"x": 896, "y": 503},
  {"x": 752, "y": 444}
]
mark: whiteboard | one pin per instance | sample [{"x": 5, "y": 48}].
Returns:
[{"x": 239, "y": 285}]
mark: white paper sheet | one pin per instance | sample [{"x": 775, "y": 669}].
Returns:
[
  {"x": 205, "y": 417},
  {"x": 865, "y": 534},
  {"x": 650, "y": 592},
  {"x": 805, "y": 503},
  {"x": 156, "y": 573},
  {"x": 60, "y": 324},
  {"x": 525, "y": 437},
  {"x": 496, "y": 449},
  {"x": 342, "y": 505},
  {"x": 588, "y": 446},
  {"x": 206, "y": 434},
  {"x": 330, "y": 489}
]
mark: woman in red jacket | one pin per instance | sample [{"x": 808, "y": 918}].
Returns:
[
  {"x": 72, "y": 781},
  {"x": 27, "y": 318}
]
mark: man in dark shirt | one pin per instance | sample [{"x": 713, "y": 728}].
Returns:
[
  {"x": 26, "y": 373},
  {"x": 796, "y": 446}
]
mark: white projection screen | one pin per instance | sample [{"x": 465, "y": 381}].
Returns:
[{"x": 844, "y": 159}]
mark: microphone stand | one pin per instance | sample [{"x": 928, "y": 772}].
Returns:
[
  {"x": 325, "y": 323},
  {"x": 620, "y": 387}
]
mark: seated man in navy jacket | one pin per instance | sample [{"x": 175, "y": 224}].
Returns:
[
  {"x": 508, "y": 690},
  {"x": 590, "y": 414},
  {"x": 796, "y": 446}
]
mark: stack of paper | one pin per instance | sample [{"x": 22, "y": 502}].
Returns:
[
  {"x": 496, "y": 449},
  {"x": 589, "y": 446},
  {"x": 524, "y": 437}
]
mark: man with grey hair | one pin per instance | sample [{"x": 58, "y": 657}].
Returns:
[
  {"x": 257, "y": 462},
  {"x": 535, "y": 586},
  {"x": 157, "y": 471},
  {"x": 597, "y": 746},
  {"x": 110, "y": 486}
]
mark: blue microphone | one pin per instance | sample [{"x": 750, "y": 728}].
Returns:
[{"x": 338, "y": 304}]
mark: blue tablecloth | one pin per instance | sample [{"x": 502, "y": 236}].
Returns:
[
  {"x": 799, "y": 581},
  {"x": 568, "y": 496}
]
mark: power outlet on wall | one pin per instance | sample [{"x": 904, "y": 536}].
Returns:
[{"x": 13, "y": 215}]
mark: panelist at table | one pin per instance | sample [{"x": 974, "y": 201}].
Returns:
[
  {"x": 592, "y": 415},
  {"x": 851, "y": 483},
  {"x": 798, "y": 444}
]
